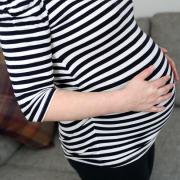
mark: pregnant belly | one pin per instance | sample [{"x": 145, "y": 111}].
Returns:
[
  {"x": 115, "y": 69},
  {"x": 132, "y": 59},
  {"x": 119, "y": 138}
]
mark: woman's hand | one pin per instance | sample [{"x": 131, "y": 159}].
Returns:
[
  {"x": 173, "y": 65},
  {"x": 146, "y": 95}
]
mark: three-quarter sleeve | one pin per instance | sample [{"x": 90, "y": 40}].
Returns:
[{"x": 26, "y": 44}]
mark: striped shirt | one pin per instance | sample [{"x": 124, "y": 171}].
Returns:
[{"x": 86, "y": 46}]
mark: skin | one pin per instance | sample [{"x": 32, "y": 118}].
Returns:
[{"x": 138, "y": 95}]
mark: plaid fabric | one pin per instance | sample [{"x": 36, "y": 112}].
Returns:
[{"x": 13, "y": 122}]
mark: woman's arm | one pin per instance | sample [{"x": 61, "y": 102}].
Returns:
[
  {"x": 26, "y": 44},
  {"x": 138, "y": 95},
  {"x": 72, "y": 105}
]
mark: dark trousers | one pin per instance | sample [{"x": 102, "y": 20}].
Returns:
[{"x": 140, "y": 169}]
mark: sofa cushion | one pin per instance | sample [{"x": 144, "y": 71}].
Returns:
[
  {"x": 165, "y": 30},
  {"x": 7, "y": 148},
  {"x": 144, "y": 24},
  {"x": 50, "y": 159},
  {"x": 13, "y": 122},
  {"x": 24, "y": 173},
  {"x": 53, "y": 160},
  {"x": 167, "y": 157}
]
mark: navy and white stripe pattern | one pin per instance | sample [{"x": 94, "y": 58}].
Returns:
[{"x": 87, "y": 46}]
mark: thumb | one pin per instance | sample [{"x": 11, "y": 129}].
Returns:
[{"x": 146, "y": 72}]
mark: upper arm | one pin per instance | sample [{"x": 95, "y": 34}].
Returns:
[{"x": 26, "y": 44}]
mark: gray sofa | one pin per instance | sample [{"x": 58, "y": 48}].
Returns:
[{"x": 22, "y": 163}]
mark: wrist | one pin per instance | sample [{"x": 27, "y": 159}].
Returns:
[{"x": 122, "y": 100}]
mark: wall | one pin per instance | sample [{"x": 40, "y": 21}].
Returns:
[{"x": 150, "y": 7}]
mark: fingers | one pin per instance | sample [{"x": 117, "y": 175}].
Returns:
[
  {"x": 173, "y": 65},
  {"x": 164, "y": 50},
  {"x": 159, "y": 108},
  {"x": 156, "y": 109},
  {"x": 160, "y": 82},
  {"x": 164, "y": 98},
  {"x": 165, "y": 89}
]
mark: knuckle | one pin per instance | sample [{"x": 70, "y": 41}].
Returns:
[
  {"x": 152, "y": 90},
  {"x": 170, "y": 87},
  {"x": 155, "y": 109},
  {"x": 166, "y": 78},
  {"x": 166, "y": 88},
  {"x": 168, "y": 96}
]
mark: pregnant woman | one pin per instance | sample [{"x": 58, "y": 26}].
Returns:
[{"x": 89, "y": 66}]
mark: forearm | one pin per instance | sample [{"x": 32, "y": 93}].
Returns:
[{"x": 72, "y": 105}]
